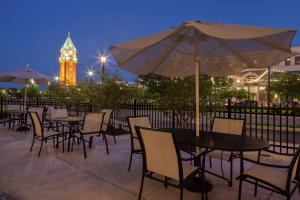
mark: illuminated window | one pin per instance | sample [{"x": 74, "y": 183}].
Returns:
[
  {"x": 287, "y": 62},
  {"x": 297, "y": 60}
]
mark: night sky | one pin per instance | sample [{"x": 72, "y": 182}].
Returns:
[{"x": 33, "y": 31}]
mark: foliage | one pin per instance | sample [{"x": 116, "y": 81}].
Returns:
[
  {"x": 232, "y": 92},
  {"x": 286, "y": 85},
  {"x": 178, "y": 94},
  {"x": 109, "y": 94}
]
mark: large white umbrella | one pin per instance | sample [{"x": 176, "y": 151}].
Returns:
[
  {"x": 208, "y": 48},
  {"x": 23, "y": 75}
]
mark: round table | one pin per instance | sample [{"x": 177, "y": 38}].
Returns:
[{"x": 216, "y": 141}]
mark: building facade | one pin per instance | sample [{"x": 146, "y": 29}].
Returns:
[
  {"x": 255, "y": 81},
  {"x": 68, "y": 61}
]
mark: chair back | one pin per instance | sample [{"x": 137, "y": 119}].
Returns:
[
  {"x": 106, "y": 118},
  {"x": 38, "y": 110},
  {"x": 294, "y": 169},
  {"x": 58, "y": 113},
  {"x": 160, "y": 154},
  {"x": 229, "y": 126},
  {"x": 93, "y": 122},
  {"x": 142, "y": 121},
  {"x": 37, "y": 125}
]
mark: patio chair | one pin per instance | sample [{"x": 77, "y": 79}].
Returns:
[
  {"x": 92, "y": 126},
  {"x": 275, "y": 178},
  {"x": 111, "y": 129},
  {"x": 162, "y": 157},
  {"x": 228, "y": 126},
  {"x": 13, "y": 118},
  {"x": 28, "y": 122},
  {"x": 38, "y": 131},
  {"x": 57, "y": 113},
  {"x": 142, "y": 121}
]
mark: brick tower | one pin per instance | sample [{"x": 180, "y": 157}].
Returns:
[{"x": 68, "y": 61}]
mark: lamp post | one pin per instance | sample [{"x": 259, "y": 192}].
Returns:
[
  {"x": 90, "y": 75},
  {"x": 103, "y": 60}
]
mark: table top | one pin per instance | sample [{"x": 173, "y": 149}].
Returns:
[
  {"x": 68, "y": 119},
  {"x": 219, "y": 141}
]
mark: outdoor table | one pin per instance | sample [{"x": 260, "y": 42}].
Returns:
[
  {"x": 216, "y": 141},
  {"x": 73, "y": 121}
]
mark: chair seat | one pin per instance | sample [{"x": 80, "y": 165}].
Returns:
[
  {"x": 274, "y": 176},
  {"x": 188, "y": 170},
  {"x": 218, "y": 154}
]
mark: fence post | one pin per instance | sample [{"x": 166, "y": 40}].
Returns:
[
  {"x": 173, "y": 119},
  {"x": 229, "y": 108},
  {"x": 1, "y": 116},
  {"x": 134, "y": 108}
]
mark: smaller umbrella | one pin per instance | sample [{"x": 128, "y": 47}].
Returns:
[{"x": 23, "y": 75}]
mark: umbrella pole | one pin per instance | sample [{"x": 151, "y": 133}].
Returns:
[
  {"x": 197, "y": 94},
  {"x": 25, "y": 97}
]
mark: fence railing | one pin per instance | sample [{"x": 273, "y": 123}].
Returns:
[{"x": 280, "y": 125}]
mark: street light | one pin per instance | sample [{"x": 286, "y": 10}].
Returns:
[
  {"x": 90, "y": 75},
  {"x": 103, "y": 60}
]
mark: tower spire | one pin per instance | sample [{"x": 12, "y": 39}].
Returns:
[{"x": 69, "y": 34}]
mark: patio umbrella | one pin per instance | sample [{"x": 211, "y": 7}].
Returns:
[
  {"x": 196, "y": 47},
  {"x": 24, "y": 75}
]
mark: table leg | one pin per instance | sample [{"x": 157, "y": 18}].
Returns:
[{"x": 241, "y": 174}]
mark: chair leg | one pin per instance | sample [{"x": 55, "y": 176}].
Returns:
[
  {"x": 106, "y": 145},
  {"x": 240, "y": 188},
  {"x": 84, "y": 150},
  {"x": 42, "y": 141},
  {"x": 222, "y": 168},
  {"x": 210, "y": 163},
  {"x": 32, "y": 143},
  {"x": 166, "y": 182},
  {"x": 231, "y": 169},
  {"x": 115, "y": 140},
  {"x": 255, "y": 189},
  {"x": 181, "y": 192},
  {"x": 130, "y": 161},
  {"x": 91, "y": 142},
  {"x": 141, "y": 188}
]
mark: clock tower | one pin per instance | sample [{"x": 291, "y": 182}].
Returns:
[{"x": 68, "y": 61}]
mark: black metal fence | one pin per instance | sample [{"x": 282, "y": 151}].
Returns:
[{"x": 280, "y": 125}]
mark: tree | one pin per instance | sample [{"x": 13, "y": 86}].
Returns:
[
  {"x": 178, "y": 94},
  {"x": 286, "y": 85}
]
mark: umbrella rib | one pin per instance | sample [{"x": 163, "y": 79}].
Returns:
[
  {"x": 168, "y": 53},
  {"x": 232, "y": 50}
]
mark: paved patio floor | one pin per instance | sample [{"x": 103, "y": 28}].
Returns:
[{"x": 63, "y": 176}]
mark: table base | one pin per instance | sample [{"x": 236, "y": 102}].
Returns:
[{"x": 198, "y": 184}]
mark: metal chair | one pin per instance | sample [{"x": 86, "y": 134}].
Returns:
[
  {"x": 275, "y": 178},
  {"x": 227, "y": 126},
  {"x": 92, "y": 126},
  {"x": 38, "y": 131},
  {"x": 142, "y": 121},
  {"x": 162, "y": 157}
]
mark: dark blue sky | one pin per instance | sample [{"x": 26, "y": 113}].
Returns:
[{"x": 32, "y": 31}]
